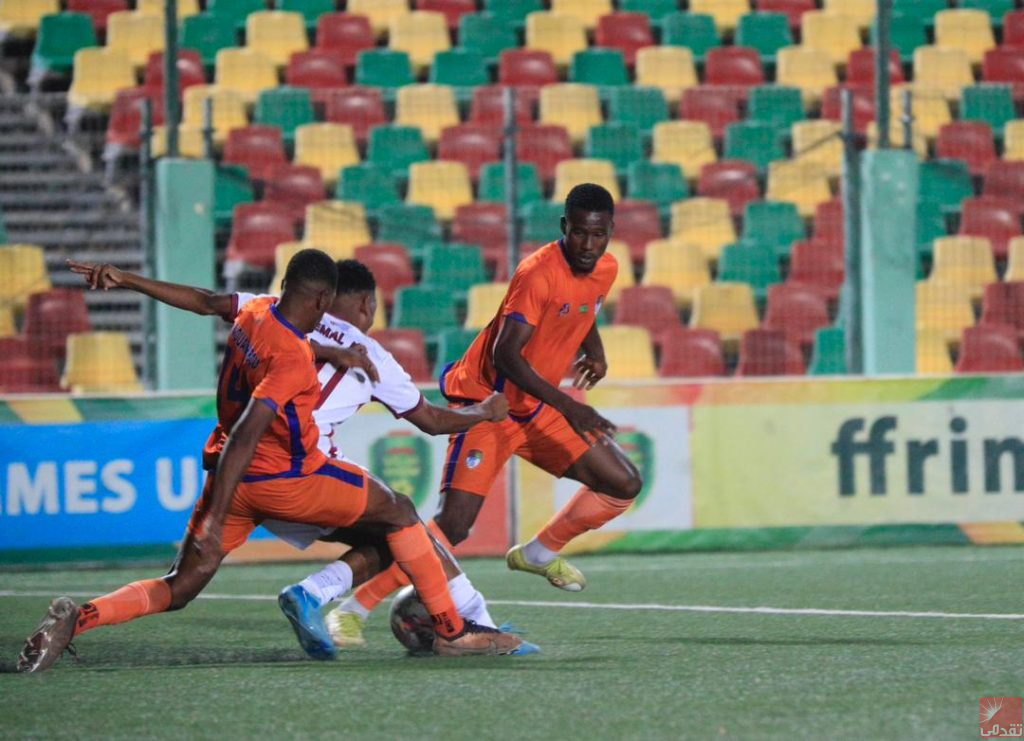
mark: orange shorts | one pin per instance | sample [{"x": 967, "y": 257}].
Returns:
[
  {"x": 332, "y": 496},
  {"x": 476, "y": 457}
]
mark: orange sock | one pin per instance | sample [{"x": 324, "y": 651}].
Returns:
[
  {"x": 377, "y": 589},
  {"x": 131, "y": 601},
  {"x": 587, "y": 510},
  {"x": 414, "y": 552}
]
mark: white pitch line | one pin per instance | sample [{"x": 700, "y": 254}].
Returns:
[{"x": 761, "y": 610}]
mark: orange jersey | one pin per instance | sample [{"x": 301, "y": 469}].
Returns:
[
  {"x": 559, "y": 305},
  {"x": 268, "y": 359}
]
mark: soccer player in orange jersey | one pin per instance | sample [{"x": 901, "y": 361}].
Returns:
[
  {"x": 546, "y": 319},
  {"x": 267, "y": 465}
]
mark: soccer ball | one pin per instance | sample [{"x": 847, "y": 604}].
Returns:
[{"x": 411, "y": 623}]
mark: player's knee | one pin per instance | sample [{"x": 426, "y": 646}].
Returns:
[
  {"x": 404, "y": 512},
  {"x": 183, "y": 591},
  {"x": 628, "y": 485}
]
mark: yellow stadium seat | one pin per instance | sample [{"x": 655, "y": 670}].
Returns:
[
  {"x": 327, "y": 146},
  {"x": 100, "y": 362},
  {"x": 246, "y": 71},
  {"x": 897, "y": 138},
  {"x": 421, "y": 34},
  {"x": 967, "y": 29},
  {"x": 629, "y": 352},
  {"x": 98, "y": 74},
  {"x": 705, "y": 222},
  {"x": 283, "y": 253},
  {"x": 834, "y": 33},
  {"x": 818, "y": 142},
  {"x": 728, "y": 308},
  {"x": 942, "y": 68},
  {"x": 23, "y": 267},
  {"x": 943, "y": 307},
  {"x": 21, "y": 17},
  {"x": 1015, "y": 259},
  {"x": 802, "y": 184},
  {"x": 443, "y": 185},
  {"x": 933, "y": 352},
  {"x": 930, "y": 109},
  {"x": 964, "y": 261},
  {"x": 560, "y": 35},
  {"x": 190, "y": 142},
  {"x": 185, "y": 9},
  {"x": 380, "y": 318},
  {"x": 573, "y": 105},
  {"x": 276, "y": 33},
  {"x": 624, "y": 278},
  {"x": 588, "y": 11},
  {"x": 668, "y": 68},
  {"x": 228, "y": 109},
  {"x": 336, "y": 227},
  {"x": 7, "y": 326},
  {"x": 570, "y": 173},
  {"x": 136, "y": 34},
  {"x": 430, "y": 107},
  {"x": 809, "y": 69},
  {"x": 688, "y": 144},
  {"x": 727, "y": 13},
  {"x": 380, "y": 12},
  {"x": 862, "y": 11},
  {"x": 482, "y": 303},
  {"x": 679, "y": 265},
  {"x": 1013, "y": 140}
]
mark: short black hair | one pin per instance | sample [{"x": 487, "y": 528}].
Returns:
[
  {"x": 309, "y": 267},
  {"x": 355, "y": 277},
  {"x": 590, "y": 197}
]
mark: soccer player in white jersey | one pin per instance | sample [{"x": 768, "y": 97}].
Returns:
[{"x": 355, "y": 370}]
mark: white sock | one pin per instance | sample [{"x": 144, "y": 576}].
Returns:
[
  {"x": 538, "y": 555},
  {"x": 330, "y": 582},
  {"x": 469, "y": 602},
  {"x": 354, "y": 605}
]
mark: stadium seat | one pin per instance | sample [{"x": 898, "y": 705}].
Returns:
[
  {"x": 396, "y": 148},
  {"x": 484, "y": 224},
  {"x": 429, "y": 309},
  {"x": 235, "y": 11},
  {"x": 797, "y": 311},
  {"x": 997, "y": 219},
  {"x": 569, "y": 173},
  {"x": 625, "y": 277},
  {"x": 486, "y": 34},
  {"x": 966, "y": 29},
  {"x": 862, "y": 11},
  {"x": 453, "y": 10},
  {"x": 1013, "y": 29},
  {"x": 752, "y": 263},
  {"x": 587, "y": 11},
  {"x": 828, "y": 355},
  {"x": 25, "y": 375},
  {"x": 379, "y": 12},
  {"x": 818, "y": 265},
  {"x": 540, "y": 222},
  {"x": 695, "y": 31},
  {"x": 970, "y": 141},
  {"x": 99, "y": 73},
  {"x": 943, "y": 307},
  {"x": 602, "y": 67},
  {"x": 792, "y": 9},
  {"x": 989, "y": 103},
  {"x": 410, "y": 224},
  {"x": 294, "y": 187},
  {"x": 60, "y": 36},
  {"x": 482, "y": 303},
  {"x": 21, "y": 18},
  {"x": 735, "y": 181},
  {"x": 727, "y": 13},
  {"x": 990, "y": 348},
  {"x": 336, "y": 227},
  {"x": 369, "y": 185},
  {"x": 777, "y": 225},
  {"x": 463, "y": 69},
  {"x": 1003, "y": 303},
  {"x": 228, "y": 108},
  {"x": 629, "y": 353},
  {"x": 932, "y": 354},
  {"x": 808, "y": 69},
  {"x": 1015, "y": 260},
  {"x": 98, "y": 10},
  {"x": 765, "y": 32},
  {"x": 652, "y": 307},
  {"x": 834, "y": 33},
  {"x": 734, "y": 66},
  {"x": 717, "y": 108},
  {"x": 944, "y": 69},
  {"x": 705, "y": 222},
  {"x": 430, "y": 108},
  {"x": 456, "y": 267},
  {"x": 124, "y": 128},
  {"x": 776, "y": 106},
  {"x": 727, "y": 308},
  {"x": 137, "y": 35},
  {"x": 863, "y": 106},
  {"x": 452, "y": 344},
  {"x": 1013, "y": 140},
  {"x": 1005, "y": 179},
  {"x": 344, "y": 35},
  {"x": 964, "y": 261},
  {"x": 625, "y": 31},
  {"x": 190, "y": 71},
  {"x": 310, "y": 10},
  {"x": 662, "y": 183},
  {"x": 860, "y": 67},
  {"x": 330, "y": 147},
  {"x": 24, "y": 269},
  {"x": 50, "y": 316},
  {"x": 245, "y": 71},
  {"x": 819, "y": 143},
  {"x": 207, "y": 33},
  {"x": 636, "y": 224},
  {"x": 691, "y": 353},
  {"x": 678, "y": 265},
  {"x": 408, "y": 348},
  {"x": 643, "y": 107},
  {"x": 671, "y": 69},
  {"x": 285, "y": 108},
  {"x": 444, "y": 186},
  {"x": 362, "y": 108},
  {"x": 923, "y": 9},
  {"x": 767, "y": 352},
  {"x": 559, "y": 35},
  {"x": 512, "y": 12},
  {"x": 316, "y": 69},
  {"x": 99, "y": 362},
  {"x": 617, "y": 142},
  {"x": 908, "y": 31},
  {"x": 492, "y": 183},
  {"x": 184, "y": 8},
  {"x": 390, "y": 265},
  {"x": 687, "y": 144},
  {"x": 574, "y": 106},
  {"x": 231, "y": 186},
  {"x": 545, "y": 146},
  {"x": 256, "y": 231},
  {"x": 259, "y": 148},
  {"x": 474, "y": 145},
  {"x": 829, "y": 222},
  {"x": 1005, "y": 65},
  {"x": 797, "y": 182},
  {"x": 421, "y": 34},
  {"x": 385, "y": 68},
  {"x": 532, "y": 68},
  {"x": 488, "y": 105},
  {"x": 754, "y": 142},
  {"x": 945, "y": 183}
]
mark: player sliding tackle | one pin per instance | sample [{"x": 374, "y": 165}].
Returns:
[{"x": 267, "y": 466}]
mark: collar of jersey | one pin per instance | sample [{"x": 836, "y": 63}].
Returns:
[{"x": 280, "y": 317}]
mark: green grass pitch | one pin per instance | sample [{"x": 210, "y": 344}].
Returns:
[{"x": 619, "y": 661}]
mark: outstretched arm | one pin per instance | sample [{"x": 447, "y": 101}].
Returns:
[{"x": 435, "y": 420}]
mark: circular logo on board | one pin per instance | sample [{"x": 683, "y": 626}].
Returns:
[{"x": 474, "y": 458}]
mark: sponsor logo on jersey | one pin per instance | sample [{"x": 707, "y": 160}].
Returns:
[{"x": 584, "y": 308}]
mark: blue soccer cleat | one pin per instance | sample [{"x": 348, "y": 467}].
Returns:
[
  {"x": 303, "y": 613},
  {"x": 526, "y": 648}
]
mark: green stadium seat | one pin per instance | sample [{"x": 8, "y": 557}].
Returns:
[
  {"x": 749, "y": 262},
  {"x": 512, "y": 12},
  {"x": 754, "y": 142},
  {"x": 452, "y": 344},
  {"x": 765, "y": 32},
  {"x": 310, "y": 10},
  {"x": 696, "y": 31},
  {"x": 492, "y": 183},
  {"x": 369, "y": 185},
  {"x": 540, "y": 221},
  {"x": 656, "y": 10},
  {"x": 396, "y": 147},
  {"x": 430, "y": 309},
  {"x": 235, "y": 11},
  {"x": 662, "y": 183},
  {"x": 643, "y": 107},
  {"x": 384, "y": 68},
  {"x": 3, "y": 229},
  {"x": 454, "y": 266},
  {"x": 619, "y": 142},
  {"x": 460, "y": 68},
  {"x": 924, "y": 10},
  {"x": 602, "y": 67},
  {"x": 208, "y": 33},
  {"x": 909, "y": 31},
  {"x": 995, "y": 8},
  {"x": 776, "y": 106},
  {"x": 231, "y": 186},
  {"x": 989, "y": 103},
  {"x": 60, "y": 35},
  {"x": 286, "y": 108},
  {"x": 411, "y": 224},
  {"x": 945, "y": 183},
  {"x": 487, "y": 34},
  {"x": 776, "y": 224},
  {"x": 828, "y": 356}
]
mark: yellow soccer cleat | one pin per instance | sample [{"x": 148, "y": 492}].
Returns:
[
  {"x": 346, "y": 628},
  {"x": 560, "y": 573}
]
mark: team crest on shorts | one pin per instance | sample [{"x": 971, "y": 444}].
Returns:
[{"x": 474, "y": 459}]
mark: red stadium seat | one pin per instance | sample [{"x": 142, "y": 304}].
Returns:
[
  {"x": 863, "y": 105},
  {"x": 998, "y": 219},
  {"x": 98, "y": 10},
  {"x": 472, "y": 144},
  {"x": 317, "y": 69},
  {"x": 256, "y": 230},
  {"x": 362, "y": 108},
  {"x": 125, "y": 126},
  {"x": 767, "y": 352},
  {"x": 14, "y": 348},
  {"x": 1003, "y": 303},
  {"x": 50, "y": 317},
  {"x": 797, "y": 310},
  {"x": 1006, "y": 179},
  {"x": 260, "y": 148},
  {"x": 734, "y": 66},
  {"x": 409, "y": 349},
  {"x": 860, "y": 67},
  {"x": 690, "y": 353},
  {"x": 817, "y": 265},
  {"x": 488, "y": 106},
  {"x": 650, "y": 307},
  {"x": 294, "y": 187},
  {"x": 190, "y": 71},
  {"x": 545, "y": 145},
  {"x": 829, "y": 222},
  {"x": 636, "y": 224},
  {"x": 485, "y": 224},
  {"x": 453, "y": 9},
  {"x": 990, "y": 348},
  {"x": 21, "y": 375},
  {"x": 627, "y": 32},
  {"x": 345, "y": 34},
  {"x": 792, "y": 9},
  {"x": 390, "y": 265},
  {"x": 717, "y": 107},
  {"x": 526, "y": 68},
  {"x": 1005, "y": 64},
  {"x": 970, "y": 141},
  {"x": 733, "y": 180},
  {"x": 1013, "y": 29}
]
